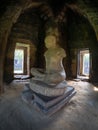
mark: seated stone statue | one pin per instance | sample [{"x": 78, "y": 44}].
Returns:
[
  {"x": 48, "y": 90},
  {"x": 54, "y": 72}
]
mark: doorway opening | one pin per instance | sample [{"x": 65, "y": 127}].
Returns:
[
  {"x": 21, "y": 60},
  {"x": 83, "y": 64}
]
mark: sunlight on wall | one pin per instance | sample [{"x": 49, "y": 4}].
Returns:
[{"x": 95, "y": 89}]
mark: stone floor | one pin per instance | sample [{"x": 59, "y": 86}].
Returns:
[{"x": 80, "y": 114}]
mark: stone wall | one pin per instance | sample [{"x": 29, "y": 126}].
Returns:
[
  {"x": 90, "y": 10},
  {"x": 6, "y": 22},
  {"x": 81, "y": 35},
  {"x": 25, "y": 31},
  {"x": 10, "y": 12}
]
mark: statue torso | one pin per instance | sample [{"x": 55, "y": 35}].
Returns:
[{"x": 53, "y": 59}]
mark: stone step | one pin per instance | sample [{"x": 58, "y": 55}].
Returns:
[
  {"x": 55, "y": 108},
  {"x": 47, "y": 105},
  {"x": 48, "y": 102}
]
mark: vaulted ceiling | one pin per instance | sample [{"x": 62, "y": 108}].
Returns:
[{"x": 57, "y": 8}]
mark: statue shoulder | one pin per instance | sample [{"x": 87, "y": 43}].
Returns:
[{"x": 62, "y": 52}]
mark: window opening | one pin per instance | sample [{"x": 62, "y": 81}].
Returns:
[
  {"x": 21, "y": 59},
  {"x": 83, "y": 63}
]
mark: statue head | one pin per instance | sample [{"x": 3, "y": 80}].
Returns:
[{"x": 50, "y": 41}]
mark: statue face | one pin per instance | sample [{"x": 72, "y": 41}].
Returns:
[{"x": 50, "y": 41}]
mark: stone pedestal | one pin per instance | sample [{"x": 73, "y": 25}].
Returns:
[{"x": 47, "y": 104}]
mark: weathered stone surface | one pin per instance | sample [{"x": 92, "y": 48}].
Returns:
[
  {"x": 48, "y": 90},
  {"x": 47, "y": 105},
  {"x": 56, "y": 107},
  {"x": 6, "y": 22},
  {"x": 43, "y": 101},
  {"x": 81, "y": 113}
]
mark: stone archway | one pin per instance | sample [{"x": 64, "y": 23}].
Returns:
[
  {"x": 6, "y": 23},
  {"x": 9, "y": 17}
]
